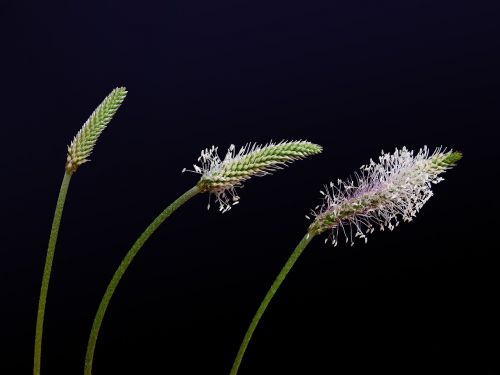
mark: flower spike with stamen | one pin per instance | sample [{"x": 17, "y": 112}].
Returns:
[
  {"x": 221, "y": 177},
  {"x": 78, "y": 152},
  {"x": 84, "y": 141},
  {"x": 397, "y": 186},
  {"x": 381, "y": 193}
]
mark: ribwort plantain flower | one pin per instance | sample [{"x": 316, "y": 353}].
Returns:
[
  {"x": 221, "y": 177},
  {"x": 395, "y": 187},
  {"x": 84, "y": 141},
  {"x": 381, "y": 193}
]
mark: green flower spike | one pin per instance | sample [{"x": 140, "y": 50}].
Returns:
[
  {"x": 222, "y": 177},
  {"x": 84, "y": 141}
]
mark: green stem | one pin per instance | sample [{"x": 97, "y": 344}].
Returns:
[
  {"x": 123, "y": 267},
  {"x": 47, "y": 270},
  {"x": 267, "y": 299}
]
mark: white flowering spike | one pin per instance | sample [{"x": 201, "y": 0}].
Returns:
[
  {"x": 381, "y": 193},
  {"x": 83, "y": 143},
  {"x": 221, "y": 177}
]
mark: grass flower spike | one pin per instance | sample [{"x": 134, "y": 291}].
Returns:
[
  {"x": 78, "y": 152},
  {"x": 380, "y": 195},
  {"x": 221, "y": 177},
  {"x": 218, "y": 177},
  {"x": 84, "y": 141}
]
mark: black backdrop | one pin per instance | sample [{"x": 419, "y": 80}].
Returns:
[{"x": 356, "y": 77}]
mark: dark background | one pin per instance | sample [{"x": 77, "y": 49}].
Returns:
[{"x": 354, "y": 76}]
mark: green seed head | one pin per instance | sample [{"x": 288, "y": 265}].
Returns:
[
  {"x": 83, "y": 143},
  {"x": 221, "y": 177}
]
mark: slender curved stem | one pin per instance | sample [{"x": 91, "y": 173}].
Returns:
[
  {"x": 123, "y": 267},
  {"x": 47, "y": 270},
  {"x": 269, "y": 296}
]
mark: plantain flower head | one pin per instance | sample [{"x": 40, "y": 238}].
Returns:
[
  {"x": 221, "y": 177},
  {"x": 83, "y": 143},
  {"x": 381, "y": 194}
]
